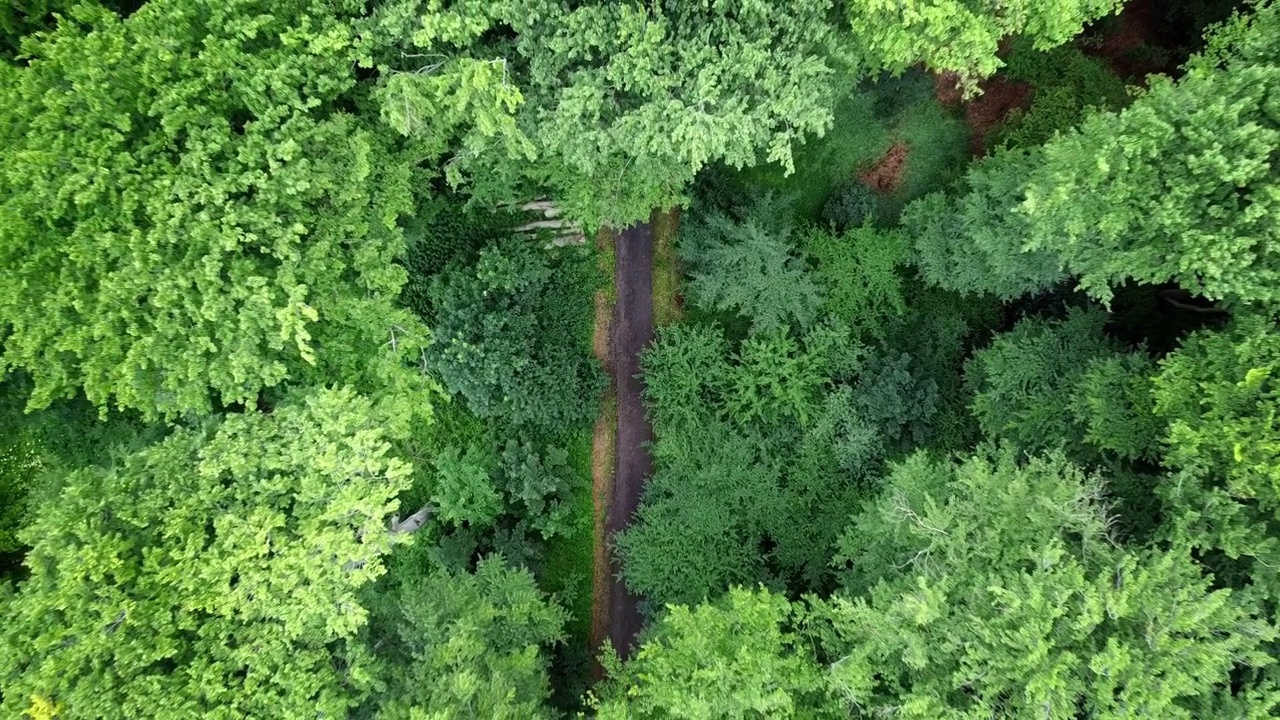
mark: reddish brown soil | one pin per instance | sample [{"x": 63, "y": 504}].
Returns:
[
  {"x": 1129, "y": 49},
  {"x": 886, "y": 175},
  {"x": 987, "y": 111},
  {"x": 947, "y": 87}
]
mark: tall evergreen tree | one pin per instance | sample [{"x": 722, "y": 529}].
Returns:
[{"x": 952, "y": 608}]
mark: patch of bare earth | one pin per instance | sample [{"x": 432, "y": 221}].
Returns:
[
  {"x": 602, "y": 460},
  {"x": 1128, "y": 48},
  {"x": 886, "y": 174},
  {"x": 946, "y": 86},
  {"x": 988, "y": 111}
]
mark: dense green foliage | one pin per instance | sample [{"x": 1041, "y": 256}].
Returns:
[
  {"x": 972, "y": 242},
  {"x": 152, "y": 199},
  {"x": 1017, "y": 379},
  {"x": 762, "y": 452},
  {"x": 952, "y": 610},
  {"x": 504, "y": 339},
  {"x": 850, "y": 205},
  {"x": 469, "y": 645},
  {"x": 750, "y": 267},
  {"x": 1180, "y": 186},
  {"x": 615, "y": 133},
  {"x": 735, "y": 658},
  {"x": 1066, "y": 84},
  {"x": 218, "y": 560},
  {"x": 961, "y": 35},
  {"x": 954, "y": 416},
  {"x": 860, "y": 270}
]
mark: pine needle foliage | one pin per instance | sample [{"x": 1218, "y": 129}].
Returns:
[
  {"x": 509, "y": 336},
  {"x": 1022, "y": 382},
  {"x": 860, "y": 270},
  {"x": 953, "y": 610},
  {"x": 751, "y": 267},
  {"x": 972, "y": 242}
]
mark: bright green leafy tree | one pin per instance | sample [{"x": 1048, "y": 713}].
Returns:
[
  {"x": 622, "y": 103},
  {"x": 963, "y": 35},
  {"x": 470, "y": 645},
  {"x": 1182, "y": 185},
  {"x": 190, "y": 213},
  {"x": 1218, "y": 395},
  {"x": 735, "y": 658},
  {"x": 215, "y": 574}
]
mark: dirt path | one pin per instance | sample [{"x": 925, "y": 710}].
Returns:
[
  {"x": 616, "y": 612},
  {"x": 602, "y": 456}
]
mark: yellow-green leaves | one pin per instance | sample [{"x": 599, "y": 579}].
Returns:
[
  {"x": 736, "y": 658},
  {"x": 962, "y": 35},
  {"x": 182, "y": 230},
  {"x": 1222, "y": 403},
  {"x": 216, "y": 573},
  {"x": 1181, "y": 186}
]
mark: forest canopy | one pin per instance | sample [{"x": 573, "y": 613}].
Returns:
[{"x": 955, "y": 325}]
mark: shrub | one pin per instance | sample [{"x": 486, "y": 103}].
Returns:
[
  {"x": 750, "y": 267},
  {"x": 510, "y": 336},
  {"x": 850, "y": 205},
  {"x": 861, "y": 273}
]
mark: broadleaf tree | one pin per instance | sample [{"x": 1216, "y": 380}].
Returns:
[
  {"x": 738, "y": 657},
  {"x": 1180, "y": 186},
  {"x": 622, "y": 103},
  {"x": 215, "y": 574},
  {"x": 202, "y": 217}
]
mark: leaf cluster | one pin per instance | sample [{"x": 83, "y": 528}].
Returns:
[
  {"x": 199, "y": 219},
  {"x": 222, "y": 558},
  {"x": 509, "y": 336}
]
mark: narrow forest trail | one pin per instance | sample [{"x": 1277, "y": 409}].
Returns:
[
  {"x": 615, "y": 611},
  {"x": 645, "y": 294}
]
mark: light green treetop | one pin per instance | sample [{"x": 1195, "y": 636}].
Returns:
[
  {"x": 186, "y": 214},
  {"x": 954, "y": 610},
  {"x": 1182, "y": 185},
  {"x": 213, "y": 575},
  {"x": 963, "y": 35},
  {"x": 470, "y": 645},
  {"x": 735, "y": 658},
  {"x": 622, "y": 103}
]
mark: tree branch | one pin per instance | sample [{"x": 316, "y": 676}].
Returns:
[{"x": 412, "y": 523}]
